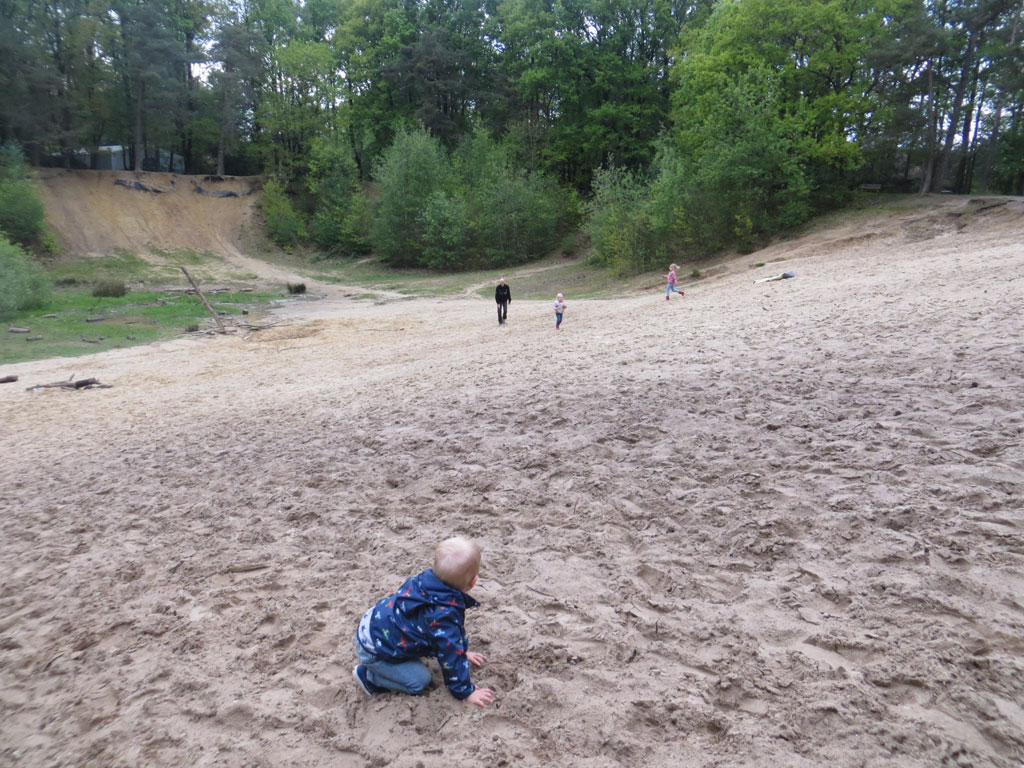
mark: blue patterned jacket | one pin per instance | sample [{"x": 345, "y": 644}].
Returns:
[{"x": 425, "y": 617}]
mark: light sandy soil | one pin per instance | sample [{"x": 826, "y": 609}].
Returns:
[{"x": 775, "y": 524}]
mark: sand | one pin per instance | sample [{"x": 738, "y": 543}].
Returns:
[{"x": 775, "y": 524}]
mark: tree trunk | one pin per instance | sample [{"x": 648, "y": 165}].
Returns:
[
  {"x": 139, "y": 151},
  {"x": 991, "y": 146},
  {"x": 966, "y": 137},
  {"x": 929, "y": 164},
  {"x": 220, "y": 154},
  {"x": 954, "y": 121}
]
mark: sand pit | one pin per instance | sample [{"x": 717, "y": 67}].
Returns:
[
  {"x": 93, "y": 214},
  {"x": 774, "y": 524}
]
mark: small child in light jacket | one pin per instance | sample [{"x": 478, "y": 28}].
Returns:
[
  {"x": 426, "y": 617},
  {"x": 560, "y": 307}
]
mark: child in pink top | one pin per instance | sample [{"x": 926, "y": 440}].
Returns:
[{"x": 671, "y": 278}]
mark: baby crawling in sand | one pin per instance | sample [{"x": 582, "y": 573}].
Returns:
[{"x": 425, "y": 617}]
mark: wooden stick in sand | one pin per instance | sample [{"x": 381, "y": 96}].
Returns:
[{"x": 202, "y": 298}]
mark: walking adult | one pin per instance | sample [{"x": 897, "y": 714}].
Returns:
[{"x": 503, "y": 297}]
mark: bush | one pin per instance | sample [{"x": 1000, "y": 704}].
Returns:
[
  {"x": 296, "y": 288},
  {"x": 110, "y": 289},
  {"x": 22, "y": 215},
  {"x": 515, "y": 215},
  {"x": 409, "y": 173},
  {"x": 340, "y": 223},
  {"x": 22, "y": 283},
  {"x": 618, "y": 222},
  {"x": 284, "y": 224},
  {"x": 446, "y": 232}
]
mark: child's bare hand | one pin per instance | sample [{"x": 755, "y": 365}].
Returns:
[
  {"x": 476, "y": 659},
  {"x": 481, "y": 697}
]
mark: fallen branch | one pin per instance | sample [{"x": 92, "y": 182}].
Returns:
[
  {"x": 8, "y": 379},
  {"x": 246, "y": 568},
  {"x": 70, "y": 384},
  {"x": 16, "y": 329},
  {"x": 216, "y": 317},
  {"x": 253, "y": 327}
]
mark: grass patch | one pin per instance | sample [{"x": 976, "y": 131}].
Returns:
[
  {"x": 188, "y": 257},
  {"x": 121, "y": 265},
  {"x": 161, "y": 268},
  {"x": 139, "y": 317}
]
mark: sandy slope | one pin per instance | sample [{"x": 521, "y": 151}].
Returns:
[
  {"x": 93, "y": 215},
  {"x": 773, "y": 524}
]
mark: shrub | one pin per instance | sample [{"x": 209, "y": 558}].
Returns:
[
  {"x": 284, "y": 223},
  {"x": 22, "y": 283},
  {"x": 340, "y": 223},
  {"x": 446, "y": 232},
  {"x": 296, "y": 288},
  {"x": 409, "y": 173},
  {"x": 618, "y": 222},
  {"x": 21, "y": 211},
  {"x": 110, "y": 289},
  {"x": 514, "y": 215}
]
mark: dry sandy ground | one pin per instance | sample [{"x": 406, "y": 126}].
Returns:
[{"x": 774, "y": 524}]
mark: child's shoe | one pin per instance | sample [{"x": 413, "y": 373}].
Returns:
[
  {"x": 359, "y": 673},
  {"x": 668, "y": 298}
]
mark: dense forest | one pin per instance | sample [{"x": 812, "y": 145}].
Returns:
[{"x": 492, "y": 131}]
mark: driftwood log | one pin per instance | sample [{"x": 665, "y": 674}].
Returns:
[
  {"x": 71, "y": 383},
  {"x": 199, "y": 293},
  {"x": 8, "y": 379}
]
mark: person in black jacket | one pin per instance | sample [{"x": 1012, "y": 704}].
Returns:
[{"x": 503, "y": 297}]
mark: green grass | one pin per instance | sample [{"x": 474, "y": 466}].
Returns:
[
  {"x": 161, "y": 268},
  {"x": 373, "y": 275},
  {"x": 536, "y": 280},
  {"x": 140, "y": 317}
]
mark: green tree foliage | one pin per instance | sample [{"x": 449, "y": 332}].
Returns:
[
  {"x": 774, "y": 109},
  {"x": 299, "y": 107},
  {"x": 515, "y": 213},
  {"x": 22, "y": 216},
  {"x": 619, "y": 222},
  {"x": 341, "y": 221},
  {"x": 22, "y": 283},
  {"x": 284, "y": 224},
  {"x": 446, "y": 231},
  {"x": 409, "y": 175},
  {"x": 590, "y": 79},
  {"x": 476, "y": 210}
]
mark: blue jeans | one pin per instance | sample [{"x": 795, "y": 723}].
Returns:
[
  {"x": 410, "y": 676},
  {"x": 669, "y": 288}
]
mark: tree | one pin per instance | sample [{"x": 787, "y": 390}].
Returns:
[
  {"x": 148, "y": 58},
  {"x": 411, "y": 172}
]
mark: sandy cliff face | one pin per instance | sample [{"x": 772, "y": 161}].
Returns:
[{"x": 92, "y": 214}]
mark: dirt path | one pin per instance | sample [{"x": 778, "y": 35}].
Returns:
[
  {"x": 774, "y": 524},
  {"x": 470, "y": 292}
]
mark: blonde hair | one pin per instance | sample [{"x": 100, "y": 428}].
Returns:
[
  {"x": 673, "y": 266},
  {"x": 457, "y": 562}
]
